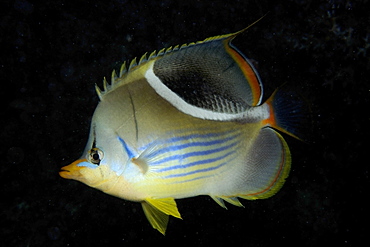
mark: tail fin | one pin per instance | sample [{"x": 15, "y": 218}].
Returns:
[{"x": 288, "y": 113}]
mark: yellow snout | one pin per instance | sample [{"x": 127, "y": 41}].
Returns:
[{"x": 72, "y": 171}]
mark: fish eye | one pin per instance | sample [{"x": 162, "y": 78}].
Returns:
[{"x": 95, "y": 156}]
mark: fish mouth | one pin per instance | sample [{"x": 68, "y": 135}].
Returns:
[
  {"x": 67, "y": 171},
  {"x": 63, "y": 170},
  {"x": 64, "y": 173},
  {"x": 71, "y": 171}
]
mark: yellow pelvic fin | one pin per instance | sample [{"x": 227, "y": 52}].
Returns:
[
  {"x": 156, "y": 218},
  {"x": 158, "y": 210}
]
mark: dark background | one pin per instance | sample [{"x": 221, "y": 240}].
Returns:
[{"x": 52, "y": 54}]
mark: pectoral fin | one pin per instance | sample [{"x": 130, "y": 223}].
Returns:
[{"x": 158, "y": 210}]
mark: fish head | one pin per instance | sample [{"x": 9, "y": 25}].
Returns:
[
  {"x": 95, "y": 169},
  {"x": 104, "y": 157}
]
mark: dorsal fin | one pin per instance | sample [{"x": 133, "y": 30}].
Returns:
[{"x": 133, "y": 65}]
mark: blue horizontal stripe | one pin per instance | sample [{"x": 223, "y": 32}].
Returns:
[
  {"x": 196, "y": 171},
  {"x": 196, "y": 153},
  {"x": 192, "y": 136},
  {"x": 199, "y": 162},
  {"x": 198, "y": 177},
  {"x": 192, "y": 179},
  {"x": 175, "y": 148}
]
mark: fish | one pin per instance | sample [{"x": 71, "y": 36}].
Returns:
[{"x": 187, "y": 121}]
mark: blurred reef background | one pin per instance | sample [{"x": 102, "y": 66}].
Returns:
[{"x": 52, "y": 54}]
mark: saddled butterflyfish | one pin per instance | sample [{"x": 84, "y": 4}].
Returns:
[{"x": 186, "y": 121}]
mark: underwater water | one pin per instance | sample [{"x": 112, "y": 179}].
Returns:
[{"x": 53, "y": 53}]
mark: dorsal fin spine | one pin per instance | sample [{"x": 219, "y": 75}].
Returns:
[
  {"x": 183, "y": 46},
  {"x": 152, "y": 55},
  {"x": 132, "y": 64},
  {"x": 113, "y": 77},
  {"x": 168, "y": 50},
  {"x": 161, "y": 52},
  {"x": 142, "y": 59},
  {"x": 98, "y": 91},
  {"x": 105, "y": 84},
  {"x": 123, "y": 69}
]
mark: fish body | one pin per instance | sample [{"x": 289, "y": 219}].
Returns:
[{"x": 183, "y": 122}]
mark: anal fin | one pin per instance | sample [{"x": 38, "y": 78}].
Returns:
[
  {"x": 157, "y": 212},
  {"x": 219, "y": 201},
  {"x": 232, "y": 200},
  {"x": 269, "y": 165}
]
